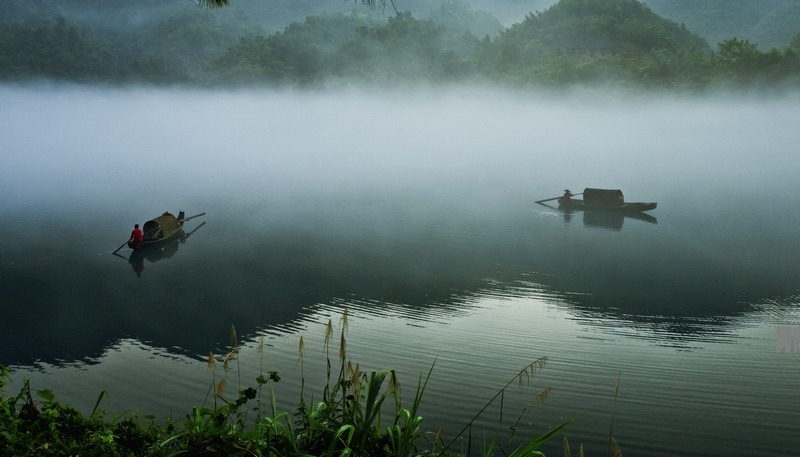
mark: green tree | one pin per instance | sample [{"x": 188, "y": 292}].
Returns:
[
  {"x": 740, "y": 61},
  {"x": 738, "y": 54},
  {"x": 404, "y": 49},
  {"x": 57, "y": 50}
]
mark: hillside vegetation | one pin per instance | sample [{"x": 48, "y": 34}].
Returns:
[{"x": 574, "y": 42}]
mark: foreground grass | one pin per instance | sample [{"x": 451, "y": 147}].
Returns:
[{"x": 348, "y": 420}]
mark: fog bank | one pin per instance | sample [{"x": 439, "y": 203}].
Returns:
[{"x": 81, "y": 142}]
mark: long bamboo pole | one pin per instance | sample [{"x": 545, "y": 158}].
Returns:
[{"x": 555, "y": 198}]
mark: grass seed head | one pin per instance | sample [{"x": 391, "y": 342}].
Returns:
[
  {"x": 328, "y": 335},
  {"x": 342, "y": 348},
  {"x": 615, "y": 451},
  {"x": 234, "y": 340},
  {"x": 221, "y": 388}
]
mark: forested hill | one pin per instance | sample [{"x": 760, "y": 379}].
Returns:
[
  {"x": 768, "y": 23},
  {"x": 573, "y": 42},
  {"x": 601, "y": 26}
]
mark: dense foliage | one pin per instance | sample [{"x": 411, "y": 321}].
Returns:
[
  {"x": 617, "y": 42},
  {"x": 57, "y": 50}
]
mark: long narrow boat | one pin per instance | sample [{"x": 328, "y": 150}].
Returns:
[
  {"x": 161, "y": 229},
  {"x": 604, "y": 200}
]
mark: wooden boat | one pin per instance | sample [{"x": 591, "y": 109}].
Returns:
[
  {"x": 604, "y": 200},
  {"x": 160, "y": 229},
  {"x": 159, "y": 250}
]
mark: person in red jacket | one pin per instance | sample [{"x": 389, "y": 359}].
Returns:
[{"x": 136, "y": 234}]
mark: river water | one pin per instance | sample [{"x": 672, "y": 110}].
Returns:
[{"x": 415, "y": 212}]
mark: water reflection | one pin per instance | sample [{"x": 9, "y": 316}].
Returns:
[
  {"x": 608, "y": 220},
  {"x": 613, "y": 221},
  {"x": 159, "y": 251},
  {"x": 268, "y": 269}
]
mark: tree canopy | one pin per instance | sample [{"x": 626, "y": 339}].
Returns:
[{"x": 574, "y": 42}]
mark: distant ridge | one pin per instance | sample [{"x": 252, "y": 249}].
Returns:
[
  {"x": 603, "y": 26},
  {"x": 768, "y": 23}
]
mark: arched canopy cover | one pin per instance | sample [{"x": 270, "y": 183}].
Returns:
[
  {"x": 161, "y": 227},
  {"x": 601, "y": 197}
]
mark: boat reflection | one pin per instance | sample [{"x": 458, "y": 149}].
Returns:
[
  {"x": 159, "y": 251},
  {"x": 604, "y": 220},
  {"x": 613, "y": 221}
]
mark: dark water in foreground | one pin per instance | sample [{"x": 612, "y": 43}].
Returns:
[{"x": 426, "y": 231}]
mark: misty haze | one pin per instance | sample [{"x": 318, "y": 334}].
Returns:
[{"x": 396, "y": 175}]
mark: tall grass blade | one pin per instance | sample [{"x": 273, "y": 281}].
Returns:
[
  {"x": 234, "y": 352},
  {"x": 342, "y": 349},
  {"x": 343, "y": 436},
  {"x": 97, "y": 403},
  {"x": 328, "y": 336},
  {"x": 526, "y": 373},
  {"x": 532, "y": 447},
  {"x": 613, "y": 412},
  {"x": 539, "y": 399},
  {"x": 615, "y": 451},
  {"x": 395, "y": 389},
  {"x": 372, "y": 406},
  {"x": 439, "y": 440},
  {"x": 407, "y": 424},
  {"x": 502, "y": 402},
  {"x": 212, "y": 365},
  {"x": 260, "y": 352}
]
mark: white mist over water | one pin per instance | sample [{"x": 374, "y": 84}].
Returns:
[{"x": 80, "y": 141}]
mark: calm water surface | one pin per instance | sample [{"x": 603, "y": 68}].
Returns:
[{"x": 416, "y": 213}]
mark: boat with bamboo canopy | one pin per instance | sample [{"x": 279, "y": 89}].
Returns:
[
  {"x": 610, "y": 200},
  {"x": 159, "y": 229}
]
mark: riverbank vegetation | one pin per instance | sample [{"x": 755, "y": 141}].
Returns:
[
  {"x": 356, "y": 414},
  {"x": 574, "y": 42}
]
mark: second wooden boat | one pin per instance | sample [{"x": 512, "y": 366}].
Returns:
[{"x": 604, "y": 200}]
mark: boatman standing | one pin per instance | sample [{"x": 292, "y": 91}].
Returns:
[
  {"x": 567, "y": 196},
  {"x": 136, "y": 234}
]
